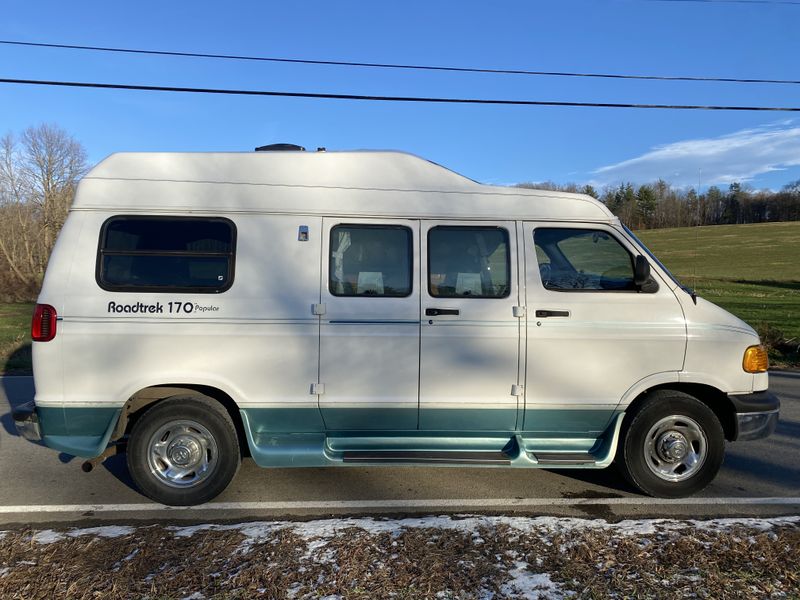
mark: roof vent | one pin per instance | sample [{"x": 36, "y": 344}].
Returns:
[{"x": 280, "y": 148}]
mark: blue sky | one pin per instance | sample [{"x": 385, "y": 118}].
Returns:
[{"x": 501, "y": 145}]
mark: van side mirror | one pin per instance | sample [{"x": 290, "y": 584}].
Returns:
[
  {"x": 641, "y": 272},
  {"x": 641, "y": 276}
]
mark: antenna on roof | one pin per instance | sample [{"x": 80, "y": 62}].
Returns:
[{"x": 280, "y": 148}]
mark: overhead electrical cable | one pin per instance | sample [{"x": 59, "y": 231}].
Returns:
[
  {"x": 420, "y": 99},
  {"x": 374, "y": 65},
  {"x": 767, "y": 2}
]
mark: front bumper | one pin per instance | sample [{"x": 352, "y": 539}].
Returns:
[
  {"x": 27, "y": 422},
  {"x": 756, "y": 414}
]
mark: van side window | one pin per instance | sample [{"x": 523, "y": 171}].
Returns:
[
  {"x": 370, "y": 260},
  {"x": 468, "y": 262},
  {"x": 169, "y": 254},
  {"x": 582, "y": 260}
]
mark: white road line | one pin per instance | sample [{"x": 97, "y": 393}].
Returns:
[{"x": 400, "y": 504}]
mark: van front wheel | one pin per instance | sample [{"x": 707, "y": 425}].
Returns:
[
  {"x": 183, "y": 451},
  {"x": 673, "y": 445}
]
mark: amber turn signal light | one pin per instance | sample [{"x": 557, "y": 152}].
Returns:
[{"x": 755, "y": 360}]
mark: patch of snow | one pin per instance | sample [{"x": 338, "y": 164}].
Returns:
[
  {"x": 109, "y": 531},
  {"x": 531, "y": 586},
  {"x": 190, "y": 530},
  {"x": 319, "y": 532},
  {"x": 48, "y": 536},
  {"x": 194, "y": 596},
  {"x": 4, "y": 571},
  {"x": 313, "y": 547}
]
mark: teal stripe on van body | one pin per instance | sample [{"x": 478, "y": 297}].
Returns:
[
  {"x": 564, "y": 421},
  {"x": 467, "y": 419},
  {"x": 78, "y": 421},
  {"x": 51, "y": 420},
  {"x": 372, "y": 418},
  {"x": 82, "y": 432},
  {"x": 283, "y": 420},
  {"x": 90, "y": 421},
  {"x": 309, "y": 420}
]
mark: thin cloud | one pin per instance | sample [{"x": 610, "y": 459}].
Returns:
[{"x": 738, "y": 156}]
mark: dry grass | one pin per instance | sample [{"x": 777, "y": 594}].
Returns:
[
  {"x": 407, "y": 561},
  {"x": 686, "y": 564}
]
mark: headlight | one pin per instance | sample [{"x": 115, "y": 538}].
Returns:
[{"x": 755, "y": 359}]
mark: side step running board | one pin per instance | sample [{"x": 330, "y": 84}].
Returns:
[
  {"x": 493, "y": 458},
  {"x": 564, "y": 458}
]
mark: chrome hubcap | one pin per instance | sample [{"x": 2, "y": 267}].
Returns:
[
  {"x": 182, "y": 453},
  {"x": 672, "y": 446},
  {"x": 675, "y": 448}
]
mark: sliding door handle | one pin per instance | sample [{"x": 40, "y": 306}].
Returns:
[
  {"x": 543, "y": 314},
  {"x": 436, "y": 312}
]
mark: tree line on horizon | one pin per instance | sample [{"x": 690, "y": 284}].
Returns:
[{"x": 658, "y": 205}]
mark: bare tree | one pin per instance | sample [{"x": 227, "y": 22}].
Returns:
[{"x": 38, "y": 176}]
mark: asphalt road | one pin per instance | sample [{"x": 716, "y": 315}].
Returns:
[{"x": 39, "y": 485}]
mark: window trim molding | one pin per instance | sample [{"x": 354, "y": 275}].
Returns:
[
  {"x": 109, "y": 287},
  {"x": 405, "y": 228},
  {"x": 470, "y": 228}
]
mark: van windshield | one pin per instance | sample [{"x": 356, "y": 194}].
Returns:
[{"x": 658, "y": 262}]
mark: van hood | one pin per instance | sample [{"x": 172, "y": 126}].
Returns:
[{"x": 708, "y": 314}]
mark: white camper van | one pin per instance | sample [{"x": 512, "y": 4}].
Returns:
[{"x": 363, "y": 308}]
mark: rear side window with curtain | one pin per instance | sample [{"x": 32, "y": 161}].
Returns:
[
  {"x": 468, "y": 262},
  {"x": 169, "y": 254},
  {"x": 371, "y": 261}
]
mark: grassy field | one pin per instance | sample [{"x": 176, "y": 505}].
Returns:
[
  {"x": 15, "y": 338},
  {"x": 751, "y": 270}
]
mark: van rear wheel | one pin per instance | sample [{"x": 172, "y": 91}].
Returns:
[
  {"x": 183, "y": 451},
  {"x": 673, "y": 445}
]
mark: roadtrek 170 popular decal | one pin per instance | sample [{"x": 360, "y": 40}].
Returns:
[{"x": 160, "y": 308}]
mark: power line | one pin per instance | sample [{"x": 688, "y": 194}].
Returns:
[
  {"x": 337, "y": 63},
  {"x": 232, "y": 92},
  {"x": 787, "y": 2}
]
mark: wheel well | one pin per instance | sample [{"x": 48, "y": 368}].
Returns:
[
  {"x": 146, "y": 398},
  {"x": 716, "y": 400}
]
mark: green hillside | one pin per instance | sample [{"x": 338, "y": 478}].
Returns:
[{"x": 751, "y": 270}]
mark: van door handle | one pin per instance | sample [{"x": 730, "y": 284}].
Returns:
[
  {"x": 435, "y": 312},
  {"x": 543, "y": 314}
]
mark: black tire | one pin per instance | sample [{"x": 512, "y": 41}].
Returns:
[
  {"x": 200, "y": 419},
  {"x": 639, "y": 459}
]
